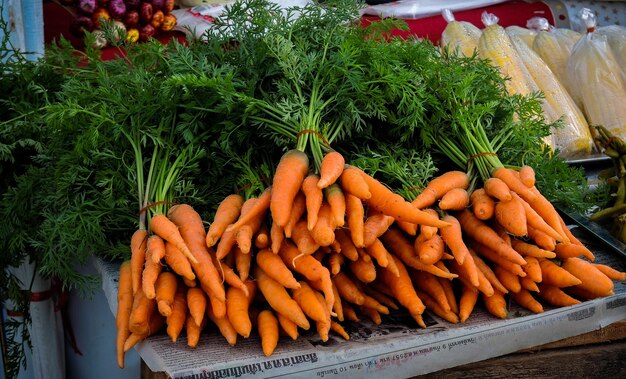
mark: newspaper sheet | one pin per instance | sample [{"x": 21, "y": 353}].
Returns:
[{"x": 397, "y": 348}]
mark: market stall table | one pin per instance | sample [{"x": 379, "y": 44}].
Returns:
[{"x": 583, "y": 340}]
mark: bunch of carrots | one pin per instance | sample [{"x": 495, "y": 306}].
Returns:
[{"x": 315, "y": 249}]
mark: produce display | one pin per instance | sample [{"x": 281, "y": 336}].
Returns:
[
  {"x": 137, "y": 20},
  {"x": 290, "y": 173}
]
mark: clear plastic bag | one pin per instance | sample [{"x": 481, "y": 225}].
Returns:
[
  {"x": 459, "y": 36},
  {"x": 596, "y": 79}
]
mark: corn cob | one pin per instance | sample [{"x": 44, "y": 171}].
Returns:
[
  {"x": 554, "y": 47},
  {"x": 574, "y": 138},
  {"x": 527, "y": 35},
  {"x": 496, "y": 46},
  {"x": 596, "y": 78},
  {"x": 460, "y": 37},
  {"x": 616, "y": 38}
]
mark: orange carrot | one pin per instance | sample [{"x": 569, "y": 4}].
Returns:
[
  {"x": 407, "y": 227},
  {"x": 276, "y": 269},
  {"x": 403, "y": 290},
  {"x": 453, "y": 237},
  {"x": 193, "y": 331},
  {"x": 227, "y": 213},
  {"x": 438, "y": 186},
  {"x": 434, "y": 306},
  {"x": 429, "y": 231},
  {"x": 528, "y": 284},
  {"x": 278, "y": 298},
  {"x": 348, "y": 249},
  {"x": 331, "y": 169},
  {"x": 380, "y": 297},
  {"x": 165, "y": 228},
  {"x": 392, "y": 204},
  {"x": 229, "y": 275},
  {"x": 610, "y": 272},
  {"x": 256, "y": 211},
  {"x": 323, "y": 233},
  {"x": 355, "y": 219},
  {"x": 547, "y": 211},
  {"x": 491, "y": 255},
  {"x": 335, "y": 261},
  {"x": 378, "y": 251},
  {"x": 262, "y": 237},
  {"x": 313, "y": 196},
  {"x": 372, "y": 314},
  {"x": 218, "y": 306},
  {"x": 347, "y": 289},
  {"x": 593, "y": 281},
  {"x": 482, "y": 204},
  {"x": 472, "y": 275},
  {"x": 288, "y": 177},
  {"x": 374, "y": 227},
  {"x": 337, "y": 201},
  {"x": 509, "y": 280},
  {"x": 176, "y": 319},
  {"x": 140, "y": 314},
  {"x": 557, "y": 276},
  {"x": 429, "y": 284},
  {"x": 353, "y": 183},
  {"x": 225, "y": 327},
  {"x": 337, "y": 328},
  {"x": 178, "y": 262},
  {"x": 533, "y": 269},
  {"x": 496, "y": 304},
  {"x": 297, "y": 211},
  {"x": 526, "y": 300},
  {"x": 497, "y": 189},
  {"x": 527, "y": 175},
  {"x": 308, "y": 266},
  {"x": 512, "y": 216},
  {"x": 267, "y": 325},
  {"x": 138, "y": 245},
  {"x": 481, "y": 232},
  {"x": 226, "y": 244},
  {"x": 448, "y": 288},
  {"x": 513, "y": 181},
  {"x": 455, "y": 200},
  {"x": 304, "y": 239},
  {"x": 534, "y": 219},
  {"x": 309, "y": 303},
  {"x": 288, "y": 326},
  {"x": 467, "y": 302},
  {"x": 165, "y": 287},
  {"x": 124, "y": 308},
  {"x": 431, "y": 250},
  {"x": 243, "y": 233},
  {"x": 189, "y": 223},
  {"x": 542, "y": 239},
  {"x": 399, "y": 246},
  {"x": 197, "y": 303},
  {"x": 564, "y": 250},
  {"x": 489, "y": 274},
  {"x": 337, "y": 304},
  {"x": 530, "y": 250},
  {"x": 363, "y": 268},
  {"x": 242, "y": 263},
  {"x": 155, "y": 323},
  {"x": 277, "y": 235},
  {"x": 151, "y": 269},
  {"x": 156, "y": 246},
  {"x": 555, "y": 296},
  {"x": 237, "y": 304},
  {"x": 349, "y": 312}
]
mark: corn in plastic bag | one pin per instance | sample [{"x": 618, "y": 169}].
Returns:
[
  {"x": 616, "y": 37},
  {"x": 527, "y": 35},
  {"x": 596, "y": 79},
  {"x": 459, "y": 36},
  {"x": 573, "y": 139}
]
